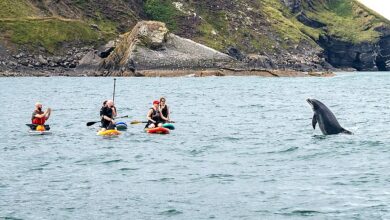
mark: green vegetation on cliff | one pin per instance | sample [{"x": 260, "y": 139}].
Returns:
[
  {"x": 50, "y": 34},
  {"x": 261, "y": 26},
  {"x": 16, "y": 9},
  {"x": 53, "y": 25},
  {"x": 163, "y": 11},
  {"x": 347, "y": 20}
]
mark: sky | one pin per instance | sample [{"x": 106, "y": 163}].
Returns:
[{"x": 380, "y": 6}]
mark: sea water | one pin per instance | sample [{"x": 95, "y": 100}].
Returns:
[{"x": 243, "y": 148}]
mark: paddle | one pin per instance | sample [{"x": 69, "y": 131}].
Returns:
[
  {"x": 140, "y": 122},
  {"x": 34, "y": 126},
  {"x": 94, "y": 122},
  {"x": 137, "y": 122}
]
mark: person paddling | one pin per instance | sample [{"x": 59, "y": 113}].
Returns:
[
  {"x": 165, "y": 113},
  {"x": 38, "y": 116},
  {"x": 104, "y": 105},
  {"x": 154, "y": 116},
  {"x": 107, "y": 114}
]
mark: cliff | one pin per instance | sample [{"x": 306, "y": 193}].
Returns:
[{"x": 310, "y": 35}]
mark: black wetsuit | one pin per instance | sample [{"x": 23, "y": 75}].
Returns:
[
  {"x": 106, "y": 111},
  {"x": 164, "y": 111},
  {"x": 155, "y": 117}
]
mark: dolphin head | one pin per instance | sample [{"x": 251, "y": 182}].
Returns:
[{"x": 313, "y": 103}]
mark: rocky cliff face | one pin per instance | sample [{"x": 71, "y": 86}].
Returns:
[
  {"x": 383, "y": 55},
  {"x": 342, "y": 51},
  {"x": 342, "y": 54}
]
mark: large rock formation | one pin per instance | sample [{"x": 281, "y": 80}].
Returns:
[{"x": 150, "y": 46}]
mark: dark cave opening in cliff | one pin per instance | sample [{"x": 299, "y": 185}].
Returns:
[{"x": 381, "y": 64}]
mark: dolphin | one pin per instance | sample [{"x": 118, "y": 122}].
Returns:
[{"x": 325, "y": 118}]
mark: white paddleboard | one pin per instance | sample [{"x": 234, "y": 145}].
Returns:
[{"x": 39, "y": 132}]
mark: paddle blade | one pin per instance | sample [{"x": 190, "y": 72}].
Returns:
[
  {"x": 138, "y": 122},
  {"x": 91, "y": 123}
]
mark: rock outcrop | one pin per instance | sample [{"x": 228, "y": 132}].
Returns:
[
  {"x": 150, "y": 45},
  {"x": 364, "y": 56},
  {"x": 360, "y": 53},
  {"x": 342, "y": 54}
]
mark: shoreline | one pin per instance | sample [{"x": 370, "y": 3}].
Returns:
[{"x": 171, "y": 73}]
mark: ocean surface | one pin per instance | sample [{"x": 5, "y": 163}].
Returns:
[{"x": 243, "y": 148}]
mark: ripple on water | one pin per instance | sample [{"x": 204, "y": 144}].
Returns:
[
  {"x": 112, "y": 161},
  {"x": 171, "y": 212}
]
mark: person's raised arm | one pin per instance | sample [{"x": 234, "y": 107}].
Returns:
[
  {"x": 114, "y": 112},
  {"x": 47, "y": 113}
]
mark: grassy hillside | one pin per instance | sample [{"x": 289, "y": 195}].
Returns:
[
  {"x": 53, "y": 25},
  {"x": 267, "y": 25},
  {"x": 261, "y": 26},
  {"x": 347, "y": 20}
]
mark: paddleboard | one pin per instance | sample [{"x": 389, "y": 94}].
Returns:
[
  {"x": 121, "y": 126},
  {"x": 39, "y": 132},
  {"x": 169, "y": 126},
  {"x": 109, "y": 133},
  {"x": 158, "y": 130}
]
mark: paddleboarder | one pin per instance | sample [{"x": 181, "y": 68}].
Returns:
[
  {"x": 107, "y": 113},
  {"x": 165, "y": 113},
  {"x": 39, "y": 117},
  {"x": 154, "y": 116}
]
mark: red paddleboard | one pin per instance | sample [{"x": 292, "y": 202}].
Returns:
[{"x": 158, "y": 130}]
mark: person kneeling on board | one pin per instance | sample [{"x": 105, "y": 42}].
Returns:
[
  {"x": 39, "y": 118},
  {"x": 163, "y": 107},
  {"x": 107, "y": 114},
  {"x": 154, "y": 116}
]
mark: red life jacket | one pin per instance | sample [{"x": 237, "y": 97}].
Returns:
[{"x": 38, "y": 121}]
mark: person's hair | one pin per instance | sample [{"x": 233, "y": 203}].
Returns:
[
  {"x": 105, "y": 102},
  {"x": 162, "y": 99}
]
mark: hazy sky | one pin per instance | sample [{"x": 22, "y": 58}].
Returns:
[{"x": 380, "y": 6}]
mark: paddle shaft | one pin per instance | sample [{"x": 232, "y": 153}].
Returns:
[{"x": 113, "y": 93}]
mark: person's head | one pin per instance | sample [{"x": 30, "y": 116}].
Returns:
[
  {"x": 38, "y": 106},
  {"x": 162, "y": 101},
  {"x": 105, "y": 103},
  {"x": 156, "y": 103},
  {"x": 110, "y": 103}
]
